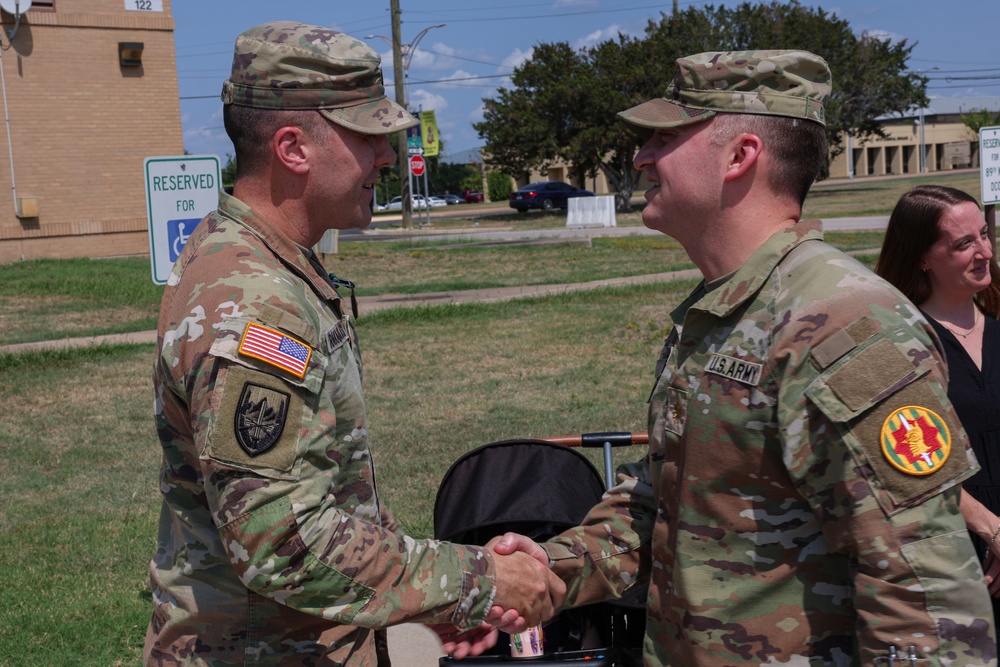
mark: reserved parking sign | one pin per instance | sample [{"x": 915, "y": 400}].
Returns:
[{"x": 180, "y": 191}]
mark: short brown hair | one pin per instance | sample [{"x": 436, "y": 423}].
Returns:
[
  {"x": 799, "y": 147},
  {"x": 913, "y": 228},
  {"x": 251, "y": 129}
]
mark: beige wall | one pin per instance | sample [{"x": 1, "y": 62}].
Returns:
[
  {"x": 899, "y": 153},
  {"x": 81, "y": 126}
]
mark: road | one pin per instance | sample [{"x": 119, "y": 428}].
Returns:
[{"x": 378, "y": 232}]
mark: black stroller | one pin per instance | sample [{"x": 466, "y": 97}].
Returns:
[{"x": 539, "y": 488}]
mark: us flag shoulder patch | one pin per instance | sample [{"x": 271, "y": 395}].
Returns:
[{"x": 275, "y": 348}]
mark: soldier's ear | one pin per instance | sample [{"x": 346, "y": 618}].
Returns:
[
  {"x": 291, "y": 149},
  {"x": 743, "y": 153}
]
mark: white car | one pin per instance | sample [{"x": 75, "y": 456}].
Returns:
[{"x": 418, "y": 201}]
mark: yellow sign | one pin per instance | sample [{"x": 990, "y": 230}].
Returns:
[{"x": 429, "y": 130}]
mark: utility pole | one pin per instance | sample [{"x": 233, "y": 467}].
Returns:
[
  {"x": 675, "y": 8},
  {"x": 399, "y": 78}
]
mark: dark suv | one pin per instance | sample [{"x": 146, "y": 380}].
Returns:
[{"x": 546, "y": 195}]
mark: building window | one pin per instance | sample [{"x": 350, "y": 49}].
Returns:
[{"x": 43, "y": 5}]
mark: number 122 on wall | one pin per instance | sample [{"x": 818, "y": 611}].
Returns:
[{"x": 144, "y": 5}]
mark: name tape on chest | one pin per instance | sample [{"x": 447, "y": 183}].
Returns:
[
  {"x": 739, "y": 370},
  {"x": 275, "y": 348},
  {"x": 337, "y": 336}
]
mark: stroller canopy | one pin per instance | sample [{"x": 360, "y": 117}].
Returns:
[{"x": 530, "y": 486}]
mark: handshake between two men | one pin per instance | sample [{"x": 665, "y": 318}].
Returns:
[{"x": 528, "y": 593}]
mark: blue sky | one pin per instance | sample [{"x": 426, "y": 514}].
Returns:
[{"x": 457, "y": 65}]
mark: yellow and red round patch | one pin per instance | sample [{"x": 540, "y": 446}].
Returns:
[{"x": 915, "y": 440}]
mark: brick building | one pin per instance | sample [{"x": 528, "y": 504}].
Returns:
[{"x": 89, "y": 89}]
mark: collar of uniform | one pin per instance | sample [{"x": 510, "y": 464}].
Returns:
[
  {"x": 291, "y": 253},
  {"x": 747, "y": 280}
]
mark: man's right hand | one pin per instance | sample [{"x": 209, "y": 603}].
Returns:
[{"x": 525, "y": 584}]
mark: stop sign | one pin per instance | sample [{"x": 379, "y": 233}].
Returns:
[{"x": 417, "y": 165}]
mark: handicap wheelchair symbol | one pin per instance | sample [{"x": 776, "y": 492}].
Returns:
[{"x": 178, "y": 232}]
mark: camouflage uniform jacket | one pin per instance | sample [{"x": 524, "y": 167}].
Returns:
[
  {"x": 772, "y": 527},
  {"x": 270, "y": 548}
]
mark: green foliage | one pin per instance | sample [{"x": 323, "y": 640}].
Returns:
[
  {"x": 562, "y": 106},
  {"x": 229, "y": 170},
  {"x": 454, "y": 178},
  {"x": 473, "y": 179},
  {"x": 499, "y": 185},
  {"x": 976, "y": 119},
  {"x": 562, "y": 102}
]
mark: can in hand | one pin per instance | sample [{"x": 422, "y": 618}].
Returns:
[{"x": 528, "y": 644}]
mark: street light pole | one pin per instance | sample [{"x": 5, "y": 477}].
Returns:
[
  {"x": 402, "y": 54},
  {"x": 923, "y": 146},
  {"x": 408, "y": 51},
  {"x": 405, "y": 201}
]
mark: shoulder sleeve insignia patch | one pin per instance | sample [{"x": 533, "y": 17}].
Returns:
[
  {"x": 260, "y": 418},
  {"x": 915, "y": 440},
  {"x": 275, "y": 348},
  {"x": 257, "y": 423}
]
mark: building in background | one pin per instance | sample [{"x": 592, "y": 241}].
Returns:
[
  {"x": 89, "y": 90},
  {"x": 937, "y": 131}
]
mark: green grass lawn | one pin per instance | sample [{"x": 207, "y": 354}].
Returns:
[
  {"x": 78, "y": 485},
  {"x": 78, "y": 488}
]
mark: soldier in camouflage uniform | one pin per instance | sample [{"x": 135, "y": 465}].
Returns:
[
  {"x": 799, "y": 502},
  {"x": 273, "y": 549}
]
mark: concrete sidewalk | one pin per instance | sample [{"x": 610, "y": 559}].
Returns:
[
  {"x": 491, "y": 295},
  {"x": 375, "y": 303},
  {"x": 413, "y": 645}
]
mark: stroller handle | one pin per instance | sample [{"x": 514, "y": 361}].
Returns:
[
  {"x": 615, "y": 439},
  {"x": 606, "y": 441}
]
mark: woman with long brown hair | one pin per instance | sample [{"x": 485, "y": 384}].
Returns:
[{"x": 938, "y": 253}]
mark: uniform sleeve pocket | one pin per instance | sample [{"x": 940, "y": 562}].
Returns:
[
  {"x": 899, "y": 430},
  {"x": 951, "y": 580}
]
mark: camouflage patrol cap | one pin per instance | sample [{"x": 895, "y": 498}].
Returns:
[
  {"x": 287, "y": 65},
  {"x": 776, "y": 83}
]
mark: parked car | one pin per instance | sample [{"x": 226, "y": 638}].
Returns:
[
  {"x": 417, "y": 201},
  {"x": 450, "y": 199},
  {"x": 545, "y": 195},
  {"x": 437, "y": 201},
  {"x": 473, "y": 196}
]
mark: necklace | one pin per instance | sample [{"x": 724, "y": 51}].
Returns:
[{"x": 975, "y": 323}]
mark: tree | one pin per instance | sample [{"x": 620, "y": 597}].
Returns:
[
  {"x": 870, "y": 77},
  {"x": 229, "y": 170},
  {"x": 976, "y": 119},
  {"x": 562, "y": 103},
  {"x": 562, "y": 106},
  {"x": 499, "y": 186}
]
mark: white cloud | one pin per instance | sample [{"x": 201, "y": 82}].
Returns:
[
  {"x": 455, "y": 79},
  {"x": 884, "y": 35},
  {"x": 423, "y": 59},
  {"x": 427, "y": 100},
  {"x": 598, "y": 36},
  {"x": 443, "y": 49},
  {"x": 517, "y": 57}
]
